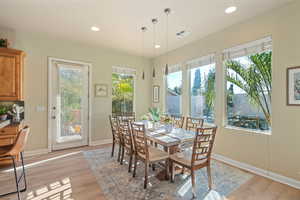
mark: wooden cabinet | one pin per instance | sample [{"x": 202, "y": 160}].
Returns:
[
  {"x": 9, "y": 134},
  {"x": 11, "y": 74}
]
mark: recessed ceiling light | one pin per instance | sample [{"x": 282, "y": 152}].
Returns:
[
  {"x": 94, "y": 28},
  {"x": 157, "y": 46},
  {"x": 230, "y": 9}
]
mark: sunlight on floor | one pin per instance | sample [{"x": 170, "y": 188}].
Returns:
[
  {"x": 43, "y": 161},
  {"x": 211, "y": 195},
  {"x": 59, "y": 190}
]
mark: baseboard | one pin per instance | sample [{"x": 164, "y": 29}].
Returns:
[
  {"x": 35, "y": 152},
  {"x": 100, "y": 142},
  {"x": 271, "y": 175}
]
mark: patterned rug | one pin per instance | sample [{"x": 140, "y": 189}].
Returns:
[{"x": 118, "y": 184}]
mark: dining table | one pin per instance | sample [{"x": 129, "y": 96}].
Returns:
[{"x": 168, "y": 136}]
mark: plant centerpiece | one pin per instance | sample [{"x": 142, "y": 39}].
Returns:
[
  {"x": 154, "y": 114},
  {"x": 3, "y": 112},
  {"x": 168, "y": 123}
]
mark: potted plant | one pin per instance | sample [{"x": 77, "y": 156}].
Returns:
[
  {"x": 168, "y": 124},
  {"x": 154, "y": 114},
  {"x": 3, "y": 112}
]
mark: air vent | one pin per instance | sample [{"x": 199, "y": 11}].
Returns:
[{"x": 182, "y": 34}]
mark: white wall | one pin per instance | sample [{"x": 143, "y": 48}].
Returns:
[
  {"x": 279, "y": 152},
  {"x": 38, "y": 48}
]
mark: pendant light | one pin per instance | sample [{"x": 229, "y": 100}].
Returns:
[
  {"x": 167, "y": 12},
  {"x": 154, "y": 22},
  {"x": 143, "y": 29}
]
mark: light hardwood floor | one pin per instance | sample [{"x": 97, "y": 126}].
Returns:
[{"x": 65, "y": 175}]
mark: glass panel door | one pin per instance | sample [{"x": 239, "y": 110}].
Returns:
[{"x": 70, "y": 106}]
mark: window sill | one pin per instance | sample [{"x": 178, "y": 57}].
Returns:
[{"x": 269, "y": 132}]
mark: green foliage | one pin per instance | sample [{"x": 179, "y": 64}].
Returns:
[
  {"x": 71, "y": 91},
  {"x": 154, "y": 113},
  {"x": 3, "y": 109},
  {"x": 210, "y": 92},
  {"x": 122, "y": 93},
  {"x": 255, "y": 80}
]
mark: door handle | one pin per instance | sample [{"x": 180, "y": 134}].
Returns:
[{"x": 53, "y": 112}]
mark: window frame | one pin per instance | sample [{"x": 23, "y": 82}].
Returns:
[
  {"x": 190, "y": 92},
  {"x": 179, "y": 69},
  {"x": 133, "y": 74},
  {"x": 244, "y": 47}
]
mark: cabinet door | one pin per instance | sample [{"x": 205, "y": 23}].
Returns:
[{"x": 10, "y": 77}]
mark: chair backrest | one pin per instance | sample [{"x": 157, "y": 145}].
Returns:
[
  {"x": 193, "y": 123},
  {"x": 203, "y": 145},
  {"x": 125, "y": 133},
  {"x": 129, "y": 119},
  {"x": 114, "y": 124},
  {"x": 177, "y": 121},
  {"x": 140, "y": 139},
  {"x": 163, "y": 117},
  {"x": 128, "y": 114},
  {"x": 20, "y": 142}
]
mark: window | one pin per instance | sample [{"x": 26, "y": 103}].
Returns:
[
  {"x": 122, "y": 90},
  {"x": 249, "y": 84},
  {"x": 202, "y": 88},
  {"x": 173, "y": 92}
]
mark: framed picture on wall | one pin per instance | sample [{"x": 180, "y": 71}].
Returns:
[
  {"x": 156, "y": 94},
  {"x": 101, "y": 90},
  {"x": 293, "y": 86}
]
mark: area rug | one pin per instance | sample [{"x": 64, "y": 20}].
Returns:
[{"x": 117, "y": 184}]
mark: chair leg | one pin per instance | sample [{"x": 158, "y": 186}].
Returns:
[
  {"x": 172, "y": 171},
  {"x": 16, "y": 177},
  {"x": 130, "y": 162},
  {"x": 24, "y": 174},
  {"x": 209, "y": 176},
  {"x": 135, "y": 165},
  {"x": 122, "y": 156},
  {"x": 167, "y": 169},
  {"x": 146, "y": 175},
  {"x": 119, "y": 153},
  {"x": 153, "y": 167},
  {"x": 193, "y": 183},
  {"x": 113, "y": 149}
]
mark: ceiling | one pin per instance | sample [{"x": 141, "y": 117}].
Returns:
[{"x": 120, "y": 20}]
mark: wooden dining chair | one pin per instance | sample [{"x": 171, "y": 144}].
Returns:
[
  {"x": 193, "y": 123},
  {"x": 115, "y": 135},
  {"x": 177, "y": 121},
  {"x": 130, "y": 117},
  {"x": 145, "y": 153},
  {"x": 127, "y": 144},
  {"x": 197, "y": 157},
  {"x": 12, "y": 152}
]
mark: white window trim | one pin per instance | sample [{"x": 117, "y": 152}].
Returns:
[
  {"x": 257, "y": 46},
  {"x": 201, "y": 61},
  {"x": 173, "y": 69},
  {"x": 248, "y": 130},
  {"x": 198, "y": 63}
]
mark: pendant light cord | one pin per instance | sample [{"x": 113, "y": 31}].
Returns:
[
  {"x": 167, "y": 34},
  {"x": 144, "y": 29}
]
